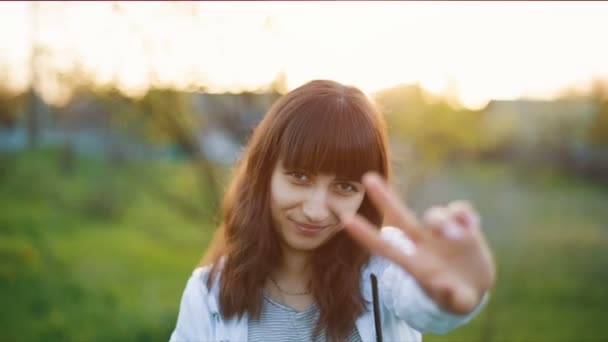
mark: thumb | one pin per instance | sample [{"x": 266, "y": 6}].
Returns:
[{"x": 454, "y": 295}]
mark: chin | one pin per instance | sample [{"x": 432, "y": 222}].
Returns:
[{"x": 309, "y": 243}]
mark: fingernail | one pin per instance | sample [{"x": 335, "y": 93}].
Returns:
[{"x": 371, "y": 177}]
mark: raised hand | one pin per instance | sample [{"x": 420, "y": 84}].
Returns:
[{"x": 451, "y": 261}]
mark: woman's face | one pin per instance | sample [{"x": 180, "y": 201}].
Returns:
[{"x": 306, "y": 208}]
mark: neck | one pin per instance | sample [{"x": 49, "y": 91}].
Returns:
[{"x": 294, "y": 271}]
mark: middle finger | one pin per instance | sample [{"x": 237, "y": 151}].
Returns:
[{"x": 387, "y": 201}]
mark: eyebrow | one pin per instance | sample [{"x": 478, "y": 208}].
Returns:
[
  {"x": 347, "y": 180},
  {"x": 313, "y": 173}
]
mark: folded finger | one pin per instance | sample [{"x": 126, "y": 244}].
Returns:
[
  {"x": 465, "y": 214},
  {"x": 442, "y": 224}
]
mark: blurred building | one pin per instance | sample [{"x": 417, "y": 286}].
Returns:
[
  {"x": 553, "y": 132},
  {"x": 533, "y": 118},
  {"x": 84, "y": 127},
  {"x": 228, "y": 121}
]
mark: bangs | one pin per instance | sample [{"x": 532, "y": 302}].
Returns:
[{"x": 332, "y": 138}]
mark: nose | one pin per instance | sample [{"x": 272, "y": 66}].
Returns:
[{"x": 315, "y": 207}]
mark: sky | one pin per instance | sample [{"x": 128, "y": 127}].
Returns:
[{"x": 473, "y": 51}]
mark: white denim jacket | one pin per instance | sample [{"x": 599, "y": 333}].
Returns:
[{"x": 405, "y": 310}]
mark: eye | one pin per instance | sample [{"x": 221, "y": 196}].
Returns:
[
  {"x": 298, "y": 176},
  {"x": 346, "y": 188}
]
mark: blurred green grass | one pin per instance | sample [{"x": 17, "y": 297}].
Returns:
[
  {"x": 100, "y": 253},
  {"x": 94, "y": 255}
]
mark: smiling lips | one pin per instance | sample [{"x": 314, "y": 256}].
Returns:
[{"x": 308, "y": 229}]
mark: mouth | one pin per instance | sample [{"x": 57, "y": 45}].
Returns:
[{"x": 308, "y": 229}]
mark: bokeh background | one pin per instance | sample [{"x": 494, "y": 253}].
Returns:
[{"x": 120, "y": 123}]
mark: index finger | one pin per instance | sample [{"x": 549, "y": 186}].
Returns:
[{"x": 387, "y": 202}]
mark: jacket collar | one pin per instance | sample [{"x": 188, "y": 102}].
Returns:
[{"x": 235, "y": 329}]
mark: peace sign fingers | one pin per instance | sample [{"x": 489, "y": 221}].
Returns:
[
  {"x": 367, "y": 235},
  {"x": 382, "y": 197}
]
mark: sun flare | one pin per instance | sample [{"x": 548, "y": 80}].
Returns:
[{"x": 472, "y": 51}]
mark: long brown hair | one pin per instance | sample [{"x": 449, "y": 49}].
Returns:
[{"x": 321, "y": 127}]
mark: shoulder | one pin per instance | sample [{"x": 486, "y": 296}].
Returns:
[
  {"x": 201, "y": 273},
  {"x": 196, "y": 287},
  {"x": 198, "y": 299},
  {"x": 198, "y": 292},
  {"x": 199, "y": 279},
  {"x": 396, "y": 237},
  {"x": 194, "y": 319}
]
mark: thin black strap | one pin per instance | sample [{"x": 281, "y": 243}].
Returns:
[{"x": 376, "y": 307}]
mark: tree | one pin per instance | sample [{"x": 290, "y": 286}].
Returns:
[
  {"x": 598, "y": 129},
  {"x": 428, "y": 130},
  {"x": 11, "y": 104}
]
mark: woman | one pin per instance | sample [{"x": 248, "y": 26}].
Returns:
[{"x": 299, "y": 254}]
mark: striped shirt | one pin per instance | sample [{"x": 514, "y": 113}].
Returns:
[{"x": 281, "y": 323}]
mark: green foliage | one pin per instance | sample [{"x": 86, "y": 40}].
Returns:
[
  {"x": 434, "y": 128},
  {"x": 11, "y": 105},
  {"x": 170, "y": 117},
  {"x": 426, "y": 132},
  {"x": 597, "y": 133}
]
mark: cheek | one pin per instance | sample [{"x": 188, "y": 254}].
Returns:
[
  {"x": 283, "y": 200},
  {"x": 282, "y": 196},
  {"x": 348, "y": 205}
]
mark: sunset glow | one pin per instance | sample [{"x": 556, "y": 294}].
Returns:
[{"x": 475, "y": 51}]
